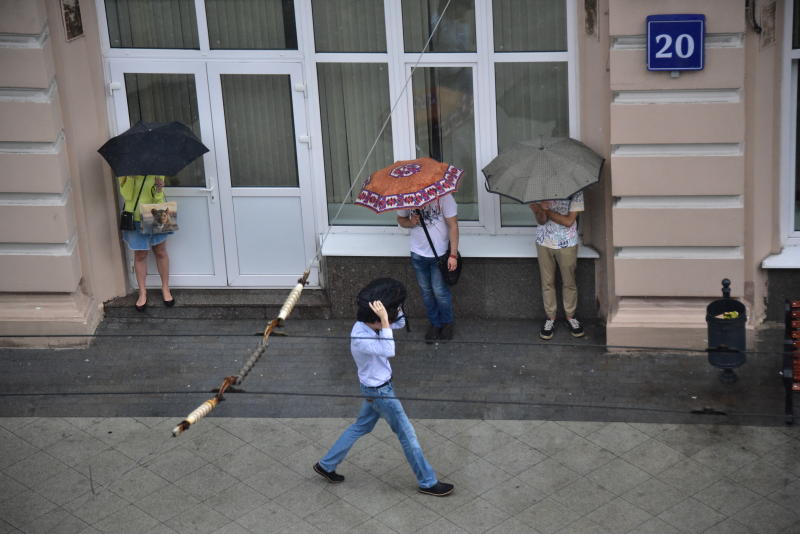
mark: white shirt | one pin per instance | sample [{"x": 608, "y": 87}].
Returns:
[
  {"x": 371, "y": 351},
  {"x": 434, "y": 214}
]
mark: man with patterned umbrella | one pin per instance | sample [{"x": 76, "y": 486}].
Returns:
[{"x": 420, "y": 190}]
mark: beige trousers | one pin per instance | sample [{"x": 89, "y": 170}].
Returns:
[{"x": 566, "y": 259}]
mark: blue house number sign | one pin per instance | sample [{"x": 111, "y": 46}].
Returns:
[{"x": 675, "y": 42}]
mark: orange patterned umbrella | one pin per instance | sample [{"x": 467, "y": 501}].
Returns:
[{"x": 408, "y": 184}]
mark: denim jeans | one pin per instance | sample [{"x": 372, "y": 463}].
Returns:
[
  {"x": 381, "y": 402},
  {"x": 435, "y": 291}
]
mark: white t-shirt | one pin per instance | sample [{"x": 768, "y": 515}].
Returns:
[
  {"x": 371, "y": 351},
  {"x": 434, "y": 214}
]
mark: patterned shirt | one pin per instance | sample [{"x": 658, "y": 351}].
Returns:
[{"x": 554, "y": 235}]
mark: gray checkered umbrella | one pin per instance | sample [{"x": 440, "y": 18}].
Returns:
[{"x": 545, "y": 169}]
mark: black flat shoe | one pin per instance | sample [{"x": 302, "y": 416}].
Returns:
[
  {"x": 142, "y": 307},
  {"x": 169, "y": 303}
]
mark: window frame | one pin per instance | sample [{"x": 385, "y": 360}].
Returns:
[{"x": 789, "y": 125}]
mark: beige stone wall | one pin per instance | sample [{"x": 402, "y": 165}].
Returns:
[
  {"x": 691, "y": 200},
  {"x": 59, "y": 248}
]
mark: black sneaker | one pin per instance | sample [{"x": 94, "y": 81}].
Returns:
[
  {"x": 432, "y": 334},
  {"x": 575, "y": 327},
  {"x": 331, "y": 476},
  {"x": 547, "y": 329},
  {"x": 440, "y": 489},
  {"x": 446, "y": 332}
]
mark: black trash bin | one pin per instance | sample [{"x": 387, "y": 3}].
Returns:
[{"x": 727, "y": 336}]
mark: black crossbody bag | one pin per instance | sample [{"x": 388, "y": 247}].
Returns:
[
  {"x": 126, "y": 218},
  {"x": 451, "y": 277}
]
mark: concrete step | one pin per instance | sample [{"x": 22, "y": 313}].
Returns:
[{"x": 223, "y": 304}]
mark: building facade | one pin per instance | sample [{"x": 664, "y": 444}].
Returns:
[{"x": 299, "y": 100}]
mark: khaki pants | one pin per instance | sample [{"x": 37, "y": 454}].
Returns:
[{"x": 567, "y": 259}]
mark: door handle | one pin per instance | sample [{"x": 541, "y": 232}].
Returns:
[{"x": 211, "y": 189}]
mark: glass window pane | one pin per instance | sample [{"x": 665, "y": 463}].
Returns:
[
  {"x": 251, "y": 24},
  {"x": 532, "y": 100},
  {"x": 349, "y": 26},
  {"x": 797, "y": 160},
  {"x": 456, "y": 32},
  {"x": 354, "y": 103},
  {"x": 259, "y": 125},
  {"x": 796, "y": 25},
  {"x": 529, "y": 25},
  {"x": 167, "y": 98},
  {"x": 444, "y": 124},
  {"x": 152, "y": 24}
]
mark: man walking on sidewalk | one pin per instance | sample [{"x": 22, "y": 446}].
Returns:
[
  {"x": 372, "y": 344},
  {"x": 557, "y": 245}
]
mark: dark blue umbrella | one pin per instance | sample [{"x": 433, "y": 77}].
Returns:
[{"x": 160, "y": 148}]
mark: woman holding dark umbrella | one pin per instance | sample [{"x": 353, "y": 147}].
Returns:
[{"x": 146, "y": 190}]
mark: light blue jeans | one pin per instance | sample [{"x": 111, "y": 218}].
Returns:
[
  {"x": 435, "y": 291},
  {"x": 381, "y": 402}
]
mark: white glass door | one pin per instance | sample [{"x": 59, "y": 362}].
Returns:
[
  {"x": 262, "y": 144},
  {"x": 164, "y": 91}
]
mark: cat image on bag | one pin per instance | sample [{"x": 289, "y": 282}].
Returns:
[{"x": 162, "y": 221}]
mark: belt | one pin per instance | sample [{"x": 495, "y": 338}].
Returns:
[{"x": 380, "y": 386}]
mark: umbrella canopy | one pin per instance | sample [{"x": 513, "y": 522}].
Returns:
[
  {"x": 161, "y": 148},
  {"x": 544, "y": 169},
  {"x": 408, "y": 184}
]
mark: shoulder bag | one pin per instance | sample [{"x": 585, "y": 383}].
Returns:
[{"x": 451, "y": 277}]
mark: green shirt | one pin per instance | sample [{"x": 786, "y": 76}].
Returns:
[{"x": 152, "y": 192}]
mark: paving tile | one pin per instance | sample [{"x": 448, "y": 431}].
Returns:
[
  {"x": 64, "y": 487},
  {"x": 175, "y": 463},
  {"x": 788, "y": 496},
  {"x": 279, "y": 479},
  {"x": 306, "y": 498},
  {"x": 201, "y": 519},
  {"x": 207, "y": 481},
  {"x": 654, "y": 496},
  {"x": 338, "y": 517},
  {"x": 403, "y": 480},
  {"x": 478, "y": 477},
  {"x": 91, "y": 508},
  {"x": 233, "y": 528},
  {"x": 127, "y": 520},
  {"x": 767, "y": 517},
  {"x": 323, "y": 430},
  {"x": 514, "y": 457},
  {"x": 726, "y": 497},
  {"x": 12, "y": 424},
  {"x": 585, "y": 525},
  {"x": 443, "y": 526},
  {"x": 617, "y": 437},
  {"x": 583, "y": 428},
  {"x": 148, "y": 444},
  {"x": 548, "y": 476},
  {"x": 270, "y": 514},
  {"x": 691, "y": 515},
  {"x": 237, "y": 501},
  {"x": 76, "y": 447},
  {"x": 618, "y": 476},
  {"x": 407, "y": 517},
  {"x": 213, "y": 444},
  {"x": 785, "y": 457},
  {"x": 513, "y": 496},
  {"x": 166, "y": 502},
  {"x": 619, "y": 516},
  {"x": 57, "y": 521},
  {"x": 762, "y": 477},
  {"x": 281, "y": 442},
  {"x": 477, "y": 516},
  {"x": 370, "y": 495},
  {"x": 379, "y": 458},
  {"x": 583, "y": 496},
  {"x": 137, "y": 484},
  {"x": 43, "y": 432},
  {"x": 25, "y": 507},
  {"x": 548, "y": 516},
  {"x": 689, "y": 476},
  {"x": 244, "y": 462},
  {"x": 482, "y": 438},
  {"x": 725, "y": 457},
  {"x": 13, "y": 449},
  {"x": 302, "y": 460},
  {"x": 513, "y": 427},
  {"x": 652, "y": 429},
  {"x": 7, "y": 528},
  {"x": 9, "y": 487},
  {"x": 300, "y": 527},
  {"x": 110, "y": 430},
  {"x": 583, "y": 456},
  {"x": 549, "y": 437},
  {"x": 655, "y": 526},
  {"x": 511, "y": 526},
  {"x": 372, "y": 526},
  {"x": 691, "y": 439},
  {"x": 449, "y": 427},
  {"x": 35, "y": 469},
  {"x": 729, "y": 526},
  {"x": 653, "y": 456},
  {"x": 449, "y": 457}
]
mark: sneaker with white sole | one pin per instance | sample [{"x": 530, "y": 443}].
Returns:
[
  {"x": 547, "y": 329},
  {"x": 575, "y": 327}
]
